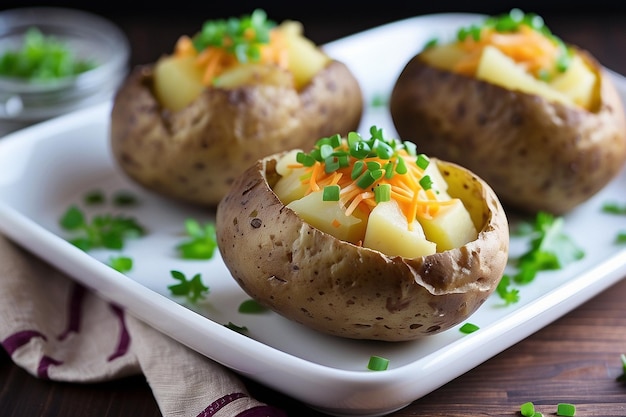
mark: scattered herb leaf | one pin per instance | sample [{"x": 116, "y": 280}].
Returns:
[
  {"x": 193, "y": 289},
  {"x": 125, "y": 199},
  {"x": 121, "y": 263},
  {"x": 103, "y": 231},
  {"x": 94, "y": 197},
  {"x": 614, "y": 208},
  {"x": 506, "y": 292},
  {"x": 550, "y": 249},
  {"x": 202, "y": 242},
  {"x": 251, "y": 307},
  {"x": 238, "y": 329}
]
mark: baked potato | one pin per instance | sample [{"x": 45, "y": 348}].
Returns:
[
  {"x": 188, "y": 124},
  {"x": 539, "y": 120},
  {"x": 324, "y": 238}
]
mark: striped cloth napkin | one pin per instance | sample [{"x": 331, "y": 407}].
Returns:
[{"x": 57, "y": 329}]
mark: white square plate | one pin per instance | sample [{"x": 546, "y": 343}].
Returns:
[{"x": 48, "y": 167}]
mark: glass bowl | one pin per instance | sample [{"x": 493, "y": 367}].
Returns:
[{"x": 88, "y": 36}]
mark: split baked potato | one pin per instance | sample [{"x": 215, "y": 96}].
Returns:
[
  {"x": 539, "y": 120},
  {"x": 363, "y": 238},
  {"x": 238, "y": 90}
]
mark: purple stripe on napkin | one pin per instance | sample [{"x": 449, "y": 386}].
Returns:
[
  {"x": 44, "y": 364},
  {"x": 76, "y": 301},
  {"x": 218, "y": 404},
  {"x": 14, "y": 341},
  {"x": 259, "y": 411},
  {"x": 124, "y": 340}
]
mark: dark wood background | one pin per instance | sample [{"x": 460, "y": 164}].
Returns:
[{"x": 575, "y": 359}]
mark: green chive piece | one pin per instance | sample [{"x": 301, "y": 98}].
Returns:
[
  {"x": 537, "y": 414},
  {"x": 468, "y": 328},
  {"x": 566, "y": 410},
  {"x": 326, "y": 150},
  {"x": 357, "y": 169},
  {"x": 377, "y": 363},
  {"x": 305, "y": 159},
  {"x": 372, "y": 166},
  {"x": 401, "y": 166},
  {"x": 331, "y": 164},
  {"x": 388, "y": 170},
  {"x": 366, "y": 180},
  {"x": 331, "y": 193},
  {"x": 382, "y": 193},
  {"x": 426, "y": 182},
  {"x": 527, "y": 409},
  {"x": 360, "y": 150},
  {"x": 410, "y": 148},
  {"x": 422, "y": 161}
]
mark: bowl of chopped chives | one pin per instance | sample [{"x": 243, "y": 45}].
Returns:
[{"x": 56, "y": 60}]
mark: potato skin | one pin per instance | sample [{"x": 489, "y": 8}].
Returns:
[
  {"x": 354, "y": 292},
  {"x": 536, "y": 155},
  {"x": 194, "y": 155}
]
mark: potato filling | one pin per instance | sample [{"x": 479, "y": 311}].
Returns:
[
  {"x": 230, "y": 53},
  {"x": 517, "y": 51},
  {"x": 375, "y": 192}
]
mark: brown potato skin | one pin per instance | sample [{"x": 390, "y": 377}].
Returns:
[
  {"x": 194, "y": 155},
  {"x": 342, "y": 289},
  {"x": 536, "y": 155}
]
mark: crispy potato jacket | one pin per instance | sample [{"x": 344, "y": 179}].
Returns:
[
  {"x": 536, "y": 154},
  {"x": 350, "y": 291},
  {"x": 194, "y": 154}
]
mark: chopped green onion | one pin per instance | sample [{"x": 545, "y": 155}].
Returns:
[
  {"x": 468, "y": 328},
  {"x": 426, "y": 182},
  {"x": 527, "y": 409},
  {"x": 305, "y": 159},
  {"x": 326, "y": 150},
  {"x": 366, "y": 180},
  {"x": 331, "y": 164},
  {"x": 372, "y": 166},
  {"x": 378, "y": 363},
  {"x": 565, "y": 409},
  {"x": 401, "y": 166},
  {"x": 357, "y": 169},
  {"x": 382, "y": 193},
  {"x": 360, "y": 150},
  {"x": 422, "y": 161},
  {"x": 331, "y": 193}
]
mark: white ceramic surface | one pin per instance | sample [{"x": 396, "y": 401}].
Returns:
[{"x": 47, "y": 167}]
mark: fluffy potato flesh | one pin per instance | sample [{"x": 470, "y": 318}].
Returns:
[
  {"x": 542, "y": 145},
  {"x": 180, "y": 77},
  {"x": 349, "y": 290}
]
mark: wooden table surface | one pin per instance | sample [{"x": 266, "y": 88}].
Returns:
[{"x": 576, "y": 359}]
